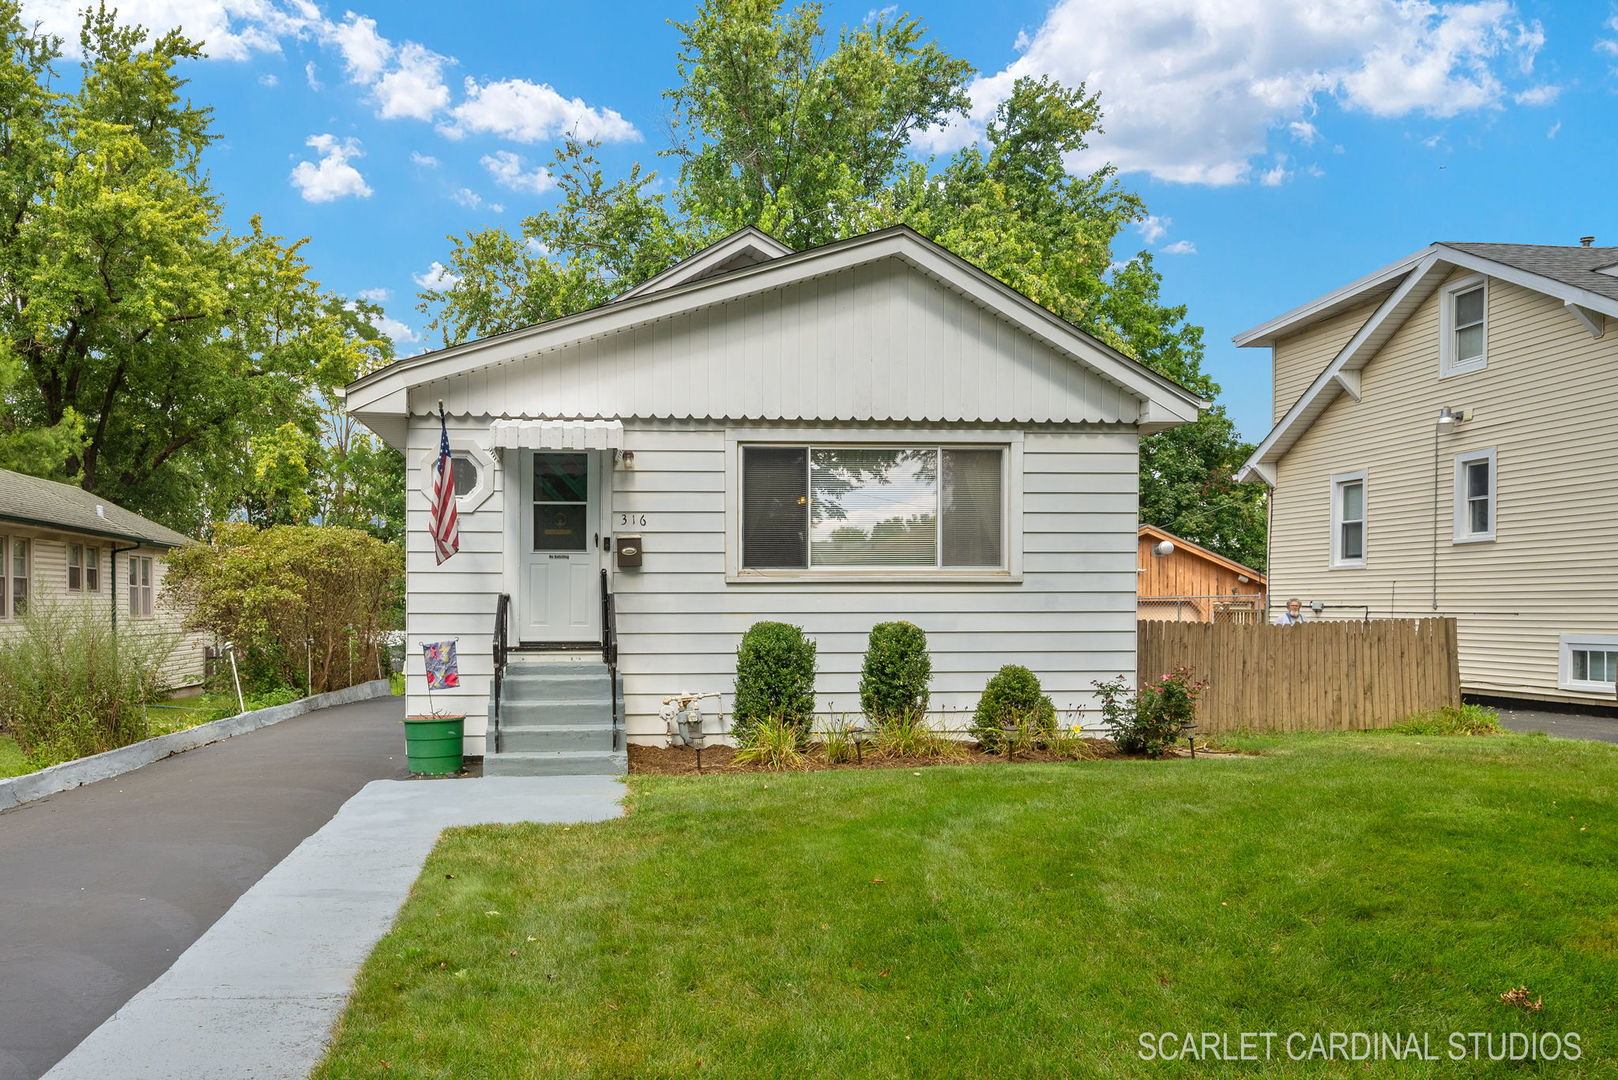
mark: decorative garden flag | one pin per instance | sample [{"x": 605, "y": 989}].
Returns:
[
  {"x": 443, "y": 525},
  {"x": 441, "y": 667}
]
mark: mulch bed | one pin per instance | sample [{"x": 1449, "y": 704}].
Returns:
[{"x": 682, "y": 760}]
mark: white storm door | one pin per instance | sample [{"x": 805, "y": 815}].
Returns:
[{"x": 560, "y": 591}]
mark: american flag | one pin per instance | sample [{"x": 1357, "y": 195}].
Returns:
[{"x": 444, "y": 526}]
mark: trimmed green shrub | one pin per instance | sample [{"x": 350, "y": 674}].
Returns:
[
  {"x": 893, "y": 682},
  {"x": 1011, "y": 700},
  {"x": 775, "y": 679},
  {"x": 71, "y": 687}
]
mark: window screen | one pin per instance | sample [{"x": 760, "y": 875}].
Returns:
[{"x": 775, "y": 507}]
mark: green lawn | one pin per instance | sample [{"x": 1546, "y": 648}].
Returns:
[
  {"x": 11, "y": 759},
  {"x": 1018, "y": 921}
]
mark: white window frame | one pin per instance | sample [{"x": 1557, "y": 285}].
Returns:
[
  {"x": 145, "y": 592},
  {"x": 1564, "y": 674},
  {"x": 1338, "y": 480},
  {"x": 480, "y": 458},
  {"x": 72, "y": 550},
  {"x": 1463, "y": 519},
  {"x": 1011, "y": 536},
  {"x": 85, "y": 567},
  {"x": 1448, "y": 363}
]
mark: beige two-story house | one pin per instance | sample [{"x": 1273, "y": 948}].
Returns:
[{"x": 1445, "y": 441}]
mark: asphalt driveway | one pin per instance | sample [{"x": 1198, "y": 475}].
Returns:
[
  {"x": 1562, "y": 725},
  {"x": 102, "y": 887}
]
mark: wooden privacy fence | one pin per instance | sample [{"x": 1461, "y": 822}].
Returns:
[{"x": 1320, "y": 676}]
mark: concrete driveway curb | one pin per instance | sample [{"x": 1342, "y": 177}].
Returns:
[
  {"x": 16, "y": 790},
  {"x": 257, "y": 995}
]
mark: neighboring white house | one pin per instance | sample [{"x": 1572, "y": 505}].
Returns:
[
  {"x": 866, "y": 431},
  {"x": 63, "y": 546},
  {"x": 1444, "y": 441}
]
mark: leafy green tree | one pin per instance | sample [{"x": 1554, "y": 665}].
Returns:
[
  {"x": 142, "y": 343},
  {"x": 813, "y": 145}
]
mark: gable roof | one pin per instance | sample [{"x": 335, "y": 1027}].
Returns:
[
  {"x": 46, "y": 504},
  {"x": 743, "y": 248},
  {"x": 1566, "y": 273},
  {"x": 1198, "y": 549},
  {"x": 380, "y": 399}
]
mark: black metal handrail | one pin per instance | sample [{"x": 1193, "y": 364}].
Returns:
[
  {"x": 609, "y": 649},
  {"x": 502, "y": 613}
]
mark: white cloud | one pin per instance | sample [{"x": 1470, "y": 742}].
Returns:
[
  {"x": 1304, "y": 132},
  {"x": 1538, "y": 95},
  {"x": 468, "y": 198},
  {"x": 1191, "y": 89},
  {"x": 310, "y": 77},
  {"x": 524, "y": 111},
  {"x": 426, "y": 161},
  {"x": 415, "y": 88},
  {"x": 436, "y": 276},
  {"x": 375, "y": 296},
  {"x": 1277, "y": 174},
  {"x": 268, "y": 79},
  {"x": 1153, "y": 228},
  {"x": 1551, "y": 134},
  {"x": 332, "y": 177},
  {"x": 1609, "y": 46},
  {"x": 507, "y": 170},
  {"x": 229, "y": 29},
  {"x": 365, "y": 52},
  {"x": 394, "y": 329},
  {"x": 1181, "y": 247}
]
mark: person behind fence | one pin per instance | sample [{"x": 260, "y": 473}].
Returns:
[{"x": 1292, "y": 614}]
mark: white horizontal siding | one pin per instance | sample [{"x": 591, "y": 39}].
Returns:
[
  {"x": 1545, "y": 403},
  {"x": 47, "y": 588},
  {"x": 1071, "y": 618},
  {"x": 887, "y": 342}
]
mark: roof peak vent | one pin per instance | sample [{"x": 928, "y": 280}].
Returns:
[
  {"x": 1586, "y": 241},
  {"x": 101, "y": 512}
]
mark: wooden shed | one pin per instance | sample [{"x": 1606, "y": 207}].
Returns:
[{"x": 1189, "y": 583}]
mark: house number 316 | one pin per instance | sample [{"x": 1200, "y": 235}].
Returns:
[{"x": 631, "y": 519}]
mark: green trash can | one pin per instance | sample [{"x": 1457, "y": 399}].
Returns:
[{"x": 433, "y": 744}]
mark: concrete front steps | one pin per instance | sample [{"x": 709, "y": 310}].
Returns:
[{"x": 556, "y": 718}]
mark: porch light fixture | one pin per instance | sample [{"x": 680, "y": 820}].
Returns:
[{"x": 1448, "y": 418}]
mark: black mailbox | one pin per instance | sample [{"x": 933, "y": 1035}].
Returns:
[{"x": 628, "y": 551}]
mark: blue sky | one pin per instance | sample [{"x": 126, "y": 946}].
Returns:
[{"x": 1283, "y": 147}]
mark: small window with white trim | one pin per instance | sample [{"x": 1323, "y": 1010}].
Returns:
[
  {"x": 1474, "y": 496},
  {"x": 142, "y": 590},
  {"x": 1348, "y": 519},
  {"x": 465, "y": 471},
  {"x": 1465, "y": 320},
  {"x": 1589, "y": 662}
]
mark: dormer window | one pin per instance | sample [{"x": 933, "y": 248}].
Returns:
[{"x": 1465, "y": 318}]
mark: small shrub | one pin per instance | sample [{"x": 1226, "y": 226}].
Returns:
[
  {"x": 775, "y": 679},
  {"x": 897, "y": 669},
  {"x": 1453, "y": 720},
  {"x": 908, "y": 735},
  {"x": 1149, "y": 720},
  {"x": 775, "y": 743},
  {"x": 71, "y": 687},
  {"x": 1068, "y": 744},
  {"x": 1012, "y": 702},
  {"x": 837, "y": 741}
]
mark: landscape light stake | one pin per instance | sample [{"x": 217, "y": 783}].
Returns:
[{"x": 1189, "y": 730}]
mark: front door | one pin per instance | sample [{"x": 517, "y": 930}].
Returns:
[{"x": 560, "y": 589}]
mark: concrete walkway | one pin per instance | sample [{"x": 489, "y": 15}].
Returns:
[
  {"x": 1562, "y": 725},
  {"x": 104, "y": 886},
  {"x": 255, "y": 998}
]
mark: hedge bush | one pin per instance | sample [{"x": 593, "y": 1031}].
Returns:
[
  {"x": 893, "y": 682},
  {"x": 775, "y": 679},
  {"x": 272, "y": 591},
  {"x": 1012, "y": 698}
]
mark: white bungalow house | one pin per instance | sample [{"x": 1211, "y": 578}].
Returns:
[{"x": 866, "y": 431}]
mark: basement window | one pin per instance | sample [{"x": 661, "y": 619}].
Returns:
[{"x": 1589, "y": 662}]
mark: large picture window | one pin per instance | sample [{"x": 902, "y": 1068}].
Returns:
[{"x": 872, "y": 507}]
